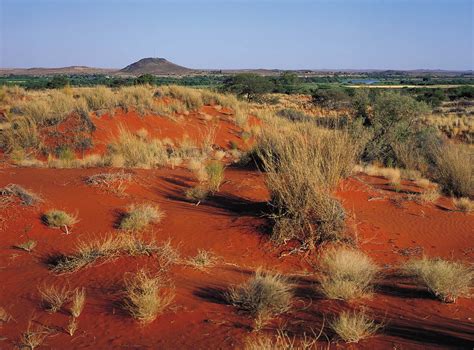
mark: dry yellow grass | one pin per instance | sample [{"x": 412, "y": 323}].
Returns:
[
  {"x": 145, "y": 296},
  {"x": 78, "y": 300},
  {"x": 263, "y": 297},
  {"x": 203, "y": 259},
  {"x": 138, "y": 153},
  {"x": 347, "y": 273},
  {"x": 302, "y": 165},
  {"x": 53, "y": 297},
  {"x": 139, "y": 216},
  {"x": 447, "y": 280},
  {"x": 464, "y": 204},
  {"x": 353, "y": 327}
]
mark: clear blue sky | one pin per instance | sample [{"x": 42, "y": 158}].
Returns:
[{"x": 291, "y": 34}]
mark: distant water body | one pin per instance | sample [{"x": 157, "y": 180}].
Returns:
[{"x": 363, "y": 81}]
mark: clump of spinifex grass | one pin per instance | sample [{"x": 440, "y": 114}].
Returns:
[
  {"x": 352, "y": 327},
  {"x": 78, "y": 301},
  {"x": 139, "y": 216},
  {"x": 53, "y": 297},
  {"x": 464, "y": 204},
  {"x": 27, "y": 246},
  {"x": 446, "y": 280},
  {"x": 146, "y": 296},
  {"x": 347, "y": 274},
  {"x": 303, "y": 165},
  {"x": 31, "y": 339},
  {"x": 108, "y": 247},
  {"x": 26, "y": 197},
  {"x": 263, "y": 297},
  {"x": 59, "y": 219},
  {"x": 203, "y": 259}
]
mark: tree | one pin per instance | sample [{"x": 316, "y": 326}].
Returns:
[
  {"x": 333, "y": 97},
  {"x": 248, "y": 85},
  {"x": 287, "y": 83},
  {"x": 57, "y": 82},
  {"x": 145, "y": 79},
  {"x": 394, "y": 120}
]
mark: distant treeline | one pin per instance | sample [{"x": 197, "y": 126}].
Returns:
[{"x": 250, "y": 85}]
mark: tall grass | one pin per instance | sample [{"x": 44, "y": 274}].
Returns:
[
  {"x": 347, "y": 273},
  {"x": 303, "y": 164},
  {"x": 263, "y": 296},
  {"x": 145, "y": 296},
  {"x": 447, "y": 280},
  {"x": 137, "y": 152},
  {"x": 454, "y": 170},
  {"x": 99, "y": 97},
  {"x": 139, "y": 216}
]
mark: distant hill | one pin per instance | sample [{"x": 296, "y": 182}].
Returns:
[
  {"x": 72, "y": 70},
  {"x": 156, "y": 66}
]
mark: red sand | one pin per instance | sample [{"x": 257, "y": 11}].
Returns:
[
  {"x": 389, "y": 228},
  {"x": 229, "y": 226}
]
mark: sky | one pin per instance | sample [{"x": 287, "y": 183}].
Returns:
[{"x": 225, "y": 34}]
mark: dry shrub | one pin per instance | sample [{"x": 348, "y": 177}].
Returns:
[
  {"x": 263, "y": 297},
  {"x": 167, "y": 255},
  {"x": 303, "y": 164},
  {"x": 145, "y": 296},
  {"x": 191, "y": 98},
  {"x": 107, "y": 247},
  {"x": 453, "y": 170},
  {"x": 282, "y": 341},
  {"x": 72, "y": 326},
  {"x": 21, "y": 134},
  {"x": 447, "y": 280},
  {"x": 53, "y": 297},
  {"x": 391, "y": 174},
  {"x": 99, "y": 98},
  {"x": 214, "y": 98},
  {"x": 347, "y": 273},
  {"x": 203, "y": 259},
  {"x": 26, "y": 197},
  {"x": 4, "y": 316},
  {"x": 197, "y": 193},
  {"x": 215, "y": 175},
  {"x": 137, "y": 97},
  {"x": 114, "y": 182},
  {"x": 464, "y": 204},
  {"x": 77, "y": 302},
  {"x": 138, "y": 153},
  {"x": 352, "y": 327},
  {"x": 27, "y": 246},
  {"x": 31, "y": 339},
  {"x": 430, "y": 195},
  {"x": 139, "y": 216},
  {"x": 58, "y": 218},
  {"x": 241, "y": 115}
]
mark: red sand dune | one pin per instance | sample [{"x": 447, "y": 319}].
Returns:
[{"x": 230, "y": 224}]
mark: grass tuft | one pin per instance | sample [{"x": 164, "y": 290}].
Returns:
[
  {"x": 464, "y": 204},
  {"x": 202, "y": 260},
  {"x": 347, "y": 273},
  {"x": 26, "y": 197},
  {"x": 446, "y": 280},
  {"x": 353, "y": 327},
  {"x": 58, "y": 218},
  {"x": 262, "y": 297},
  {"x": 139, "y": 216},
  {"x": 53, "y": 297},
  {"x": 77, "y": 302},
  {"x": 145, "y": 296},
  {"x": 27, "y": 246}
]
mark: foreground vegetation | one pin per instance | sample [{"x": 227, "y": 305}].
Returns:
[{"x": 303, "y": 159}]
